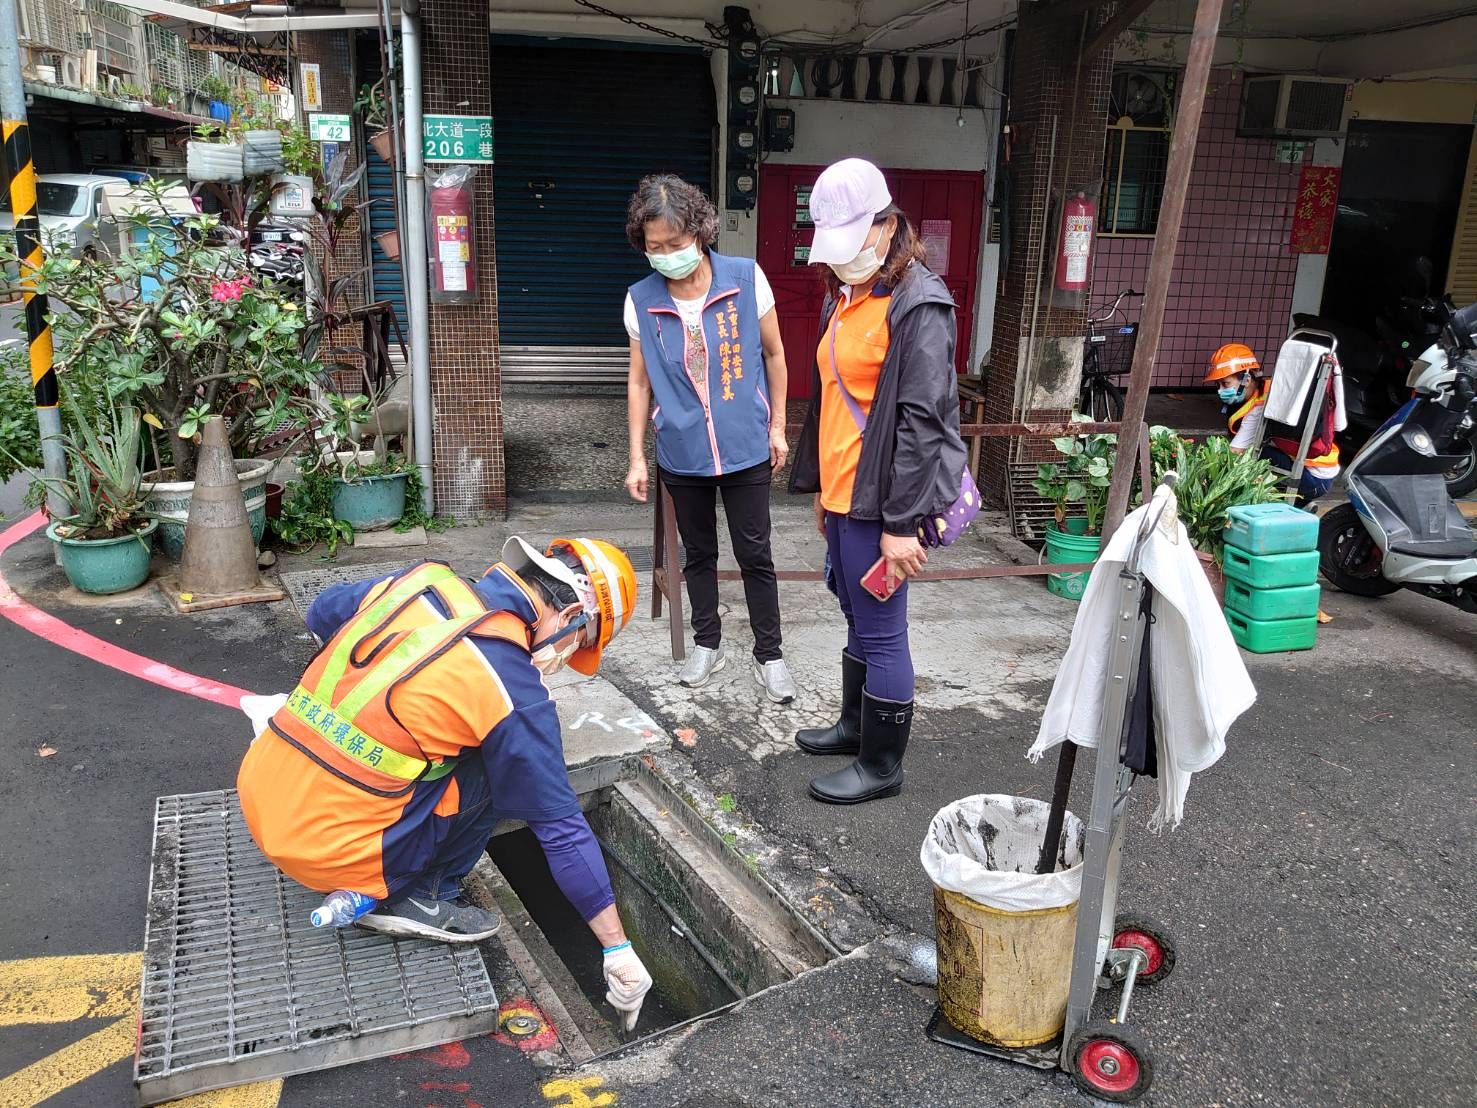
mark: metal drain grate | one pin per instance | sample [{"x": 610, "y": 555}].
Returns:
[
  {"x": 644, "y": 557},
  {"x": 303, "y": 586},
  {"x": 239, "y": 987}
]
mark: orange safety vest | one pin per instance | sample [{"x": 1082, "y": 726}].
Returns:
[
  {"x": 386, "y": 704},
  {"x": 1258, "y": 399}
]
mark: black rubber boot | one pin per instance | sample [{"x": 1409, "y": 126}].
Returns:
[
  {"x": 878, "y": 769},
  {"x": 845, "y": 735}
]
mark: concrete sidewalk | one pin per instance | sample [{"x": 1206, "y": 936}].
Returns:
[{"x": 1318, "y": 887}]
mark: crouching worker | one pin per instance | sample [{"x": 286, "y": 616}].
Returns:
[
  {"x": 423, "y": 722},
  {"x": 1243, "y": 388}
]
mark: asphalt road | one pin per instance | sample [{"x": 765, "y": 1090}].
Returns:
[{"x": 1320, "y": 886}]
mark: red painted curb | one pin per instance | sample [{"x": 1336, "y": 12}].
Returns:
[{"x": 53, "y": 630}]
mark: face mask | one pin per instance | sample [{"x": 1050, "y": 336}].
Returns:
[
  {"x": 1230, "y": 395},
  {"x": 549, "y": 658},
  {"x": 860, "y": 269},
  {"x": 678, "y": 264}
]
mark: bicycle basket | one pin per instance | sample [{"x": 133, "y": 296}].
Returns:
[{"x": 1115, "y": 349}]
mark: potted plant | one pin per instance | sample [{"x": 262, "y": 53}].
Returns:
[
  {"x": 176, "y": 326},
  {"x": 104, "y": 538},
  {"x": 1077, "y": 486},
  {"x": 373, "y": 107},
  {"x": 1213, "y": 479},
  {"x": 216, "y": 153},
  {"x": 218, "y": 94}
]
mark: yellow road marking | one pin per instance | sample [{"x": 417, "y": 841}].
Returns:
[
  {"x": 89, "y": 987},
  {"x": 581, "y": 1091},
  {"x": 68, "y": 1066},
  {"x": 60, "y": 990}
]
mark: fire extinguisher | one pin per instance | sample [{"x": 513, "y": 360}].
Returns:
[
  {"x": 1074, "y": 248},
  {"x": 453, "y": 271}
]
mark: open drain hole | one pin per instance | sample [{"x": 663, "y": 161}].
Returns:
[{"x": 709, "y": 932}]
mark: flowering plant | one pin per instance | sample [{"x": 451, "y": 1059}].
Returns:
[{"x": 175, "y": 325}]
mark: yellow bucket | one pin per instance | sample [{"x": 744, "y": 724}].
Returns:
[{"x": 1003, "y": 976}]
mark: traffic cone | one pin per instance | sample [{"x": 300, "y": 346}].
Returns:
[{"x": 218, "y": 566}]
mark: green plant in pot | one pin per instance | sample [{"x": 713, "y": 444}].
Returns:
[
  {"x": 1213, "y": 479},
  {"x": 1077, "y": 487},
  {"x": 373, "y": 107},
  {"x": 104, "y": 538},
  {"x": 177, "y": 326}
]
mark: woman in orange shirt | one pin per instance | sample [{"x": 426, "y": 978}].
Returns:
[{"x": 881, "y": 451}]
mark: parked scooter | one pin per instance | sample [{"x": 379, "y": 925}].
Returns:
[{"x": 1401, "y": 528}]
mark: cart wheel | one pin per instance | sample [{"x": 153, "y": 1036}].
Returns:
[
  {"x": 1110, "y": 1061},
  {"x": 1133, "y": 930}
]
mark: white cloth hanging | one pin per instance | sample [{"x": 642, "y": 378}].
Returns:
[
  {"x": 1296, "y": 371},
  {"x": 1200, "y": 683}
]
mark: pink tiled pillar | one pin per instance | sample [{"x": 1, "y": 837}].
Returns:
[{"x": 1234, "y": 272}]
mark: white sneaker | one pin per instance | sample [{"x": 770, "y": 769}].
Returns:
[
  {"x": 702, "y": 663},
  {"x": 774, "y": 677}
]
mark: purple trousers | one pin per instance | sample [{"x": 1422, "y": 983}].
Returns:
[{"x": 877, "y": 631}]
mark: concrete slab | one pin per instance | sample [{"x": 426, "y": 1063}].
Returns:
[{"x": 390, "y": 538}]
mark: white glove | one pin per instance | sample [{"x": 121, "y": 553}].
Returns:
[
  {"x": 627, "y": 983},
  {"x": 260, "y": 709}
]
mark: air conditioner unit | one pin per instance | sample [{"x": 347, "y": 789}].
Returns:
[{"x": 1292, "y": 107}]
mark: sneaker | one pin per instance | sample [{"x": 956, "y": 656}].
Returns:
[
  {"x": 447, "y": 921},
  {"x": 702, "y": 663},
  {"x": 775, "y": 678}
]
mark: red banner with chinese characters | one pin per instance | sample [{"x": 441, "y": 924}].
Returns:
[{"x": 1318, "y": 200}]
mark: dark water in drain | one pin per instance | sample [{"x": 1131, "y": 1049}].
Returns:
[{"x": 679, "y": 991}]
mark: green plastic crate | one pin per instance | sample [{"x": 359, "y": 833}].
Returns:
[
  {"x": 1270, "y": 571},
  {"x": 1296, "y": 602},
  {"x": 1273, "y": 636},
  {"x": 1272, "y": 529}
]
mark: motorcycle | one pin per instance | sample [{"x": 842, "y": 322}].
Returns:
[
  {"x": 276, "y": 251},
  {"x": 1401, "y": 528}
]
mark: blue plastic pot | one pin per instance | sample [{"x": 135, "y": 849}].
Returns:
[
  {"x": 220, "y": 110},
  {"x": 106, "y": 566},
  {"x": 370, "y": 503}
]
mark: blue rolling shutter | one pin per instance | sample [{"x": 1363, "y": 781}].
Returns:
[{"x": 577, "y": 126}]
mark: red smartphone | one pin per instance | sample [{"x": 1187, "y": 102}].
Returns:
[{"x": 876, "y": 581}]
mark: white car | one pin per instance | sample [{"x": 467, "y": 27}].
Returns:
[{"x": 68, "y": 206}]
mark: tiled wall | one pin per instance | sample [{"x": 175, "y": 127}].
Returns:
[
  {"x": 466, "y": 376},
  {"x": 1044, "y": 76},
  {"x": 1233, "y": 276}
]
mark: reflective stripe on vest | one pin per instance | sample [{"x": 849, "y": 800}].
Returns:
[
  {"x": 1259, "y": 397},
  {"x": 323, "y": 710}
]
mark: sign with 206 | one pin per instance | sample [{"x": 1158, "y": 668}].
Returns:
[{"x": 457, "y": 138}]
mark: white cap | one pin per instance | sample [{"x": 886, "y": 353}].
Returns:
[{"x": 843, "y": 202}]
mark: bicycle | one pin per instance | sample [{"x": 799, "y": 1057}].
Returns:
[{"x": 1107, "y": 354}]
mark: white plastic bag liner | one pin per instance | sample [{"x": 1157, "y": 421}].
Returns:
[
  {"x": 986, "y": 848},
  {"x": 260, "y": 710}
]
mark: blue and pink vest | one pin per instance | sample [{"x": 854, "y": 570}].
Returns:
[{"x": 722, "y": 427}]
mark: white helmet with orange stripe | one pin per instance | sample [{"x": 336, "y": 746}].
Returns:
[{"x": 606, "y": 588}]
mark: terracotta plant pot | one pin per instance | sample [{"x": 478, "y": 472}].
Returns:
[
  {"x": 383, "y": 146},
  {"x": 1213, "y": 574},
  {"x": 389, "y": 242}
]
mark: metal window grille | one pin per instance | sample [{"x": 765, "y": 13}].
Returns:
[
  {"x": 168, "y": 57},
  {"x": 115, "y": 36},
  {"x": 1133, "y": 179},
  {"x": 51, "y": 25}
]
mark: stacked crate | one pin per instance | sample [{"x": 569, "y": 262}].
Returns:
[{"x": 1271, "y": 567}]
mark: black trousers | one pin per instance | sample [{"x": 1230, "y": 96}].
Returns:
[{"x": 746, "y": 503}]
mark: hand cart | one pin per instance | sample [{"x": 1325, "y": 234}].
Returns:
[{"x": 1107, "y": 1058}]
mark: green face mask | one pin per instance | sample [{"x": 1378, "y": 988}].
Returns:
[{"x": 678, "y": 264}]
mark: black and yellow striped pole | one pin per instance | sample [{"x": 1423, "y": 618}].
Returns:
[{"x": 19, "y": 175}]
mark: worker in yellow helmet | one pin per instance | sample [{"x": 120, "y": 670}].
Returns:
[{"x": 1243, "y": 387}]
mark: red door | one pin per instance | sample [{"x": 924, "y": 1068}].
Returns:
[{"x": 945, "y": 206}]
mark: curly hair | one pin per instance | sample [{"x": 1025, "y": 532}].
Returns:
[
  {"x": 664, "y": 196},
  {"x": 906, "y": 248}
]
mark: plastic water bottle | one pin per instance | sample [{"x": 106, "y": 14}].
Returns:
[{"x": 341, "y": 908}]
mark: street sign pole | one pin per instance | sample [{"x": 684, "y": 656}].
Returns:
[{"x": 19, "y": 172}]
